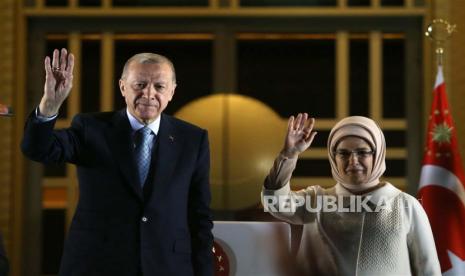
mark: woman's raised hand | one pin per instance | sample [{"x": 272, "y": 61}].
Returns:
[{"x": 299, "y": 135}]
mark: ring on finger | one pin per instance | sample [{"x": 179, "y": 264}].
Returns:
[{"x": 55, "y": 69}]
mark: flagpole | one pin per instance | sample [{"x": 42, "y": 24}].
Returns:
[{"x": 442, "y": 181}]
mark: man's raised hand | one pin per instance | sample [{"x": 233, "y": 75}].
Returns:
[{"x": 58, "y": 81}]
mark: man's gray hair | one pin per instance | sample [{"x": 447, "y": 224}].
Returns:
[{"x": 148, "y": 58}]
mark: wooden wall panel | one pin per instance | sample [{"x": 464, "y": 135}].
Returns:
[
  {"x": 457, "y": 71},
  {"x": 7, "y": 20}
]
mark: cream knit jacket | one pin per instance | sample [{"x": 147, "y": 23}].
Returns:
[{"x": 394, "y": 241}]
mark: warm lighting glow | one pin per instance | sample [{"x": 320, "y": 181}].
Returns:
[{"x": 245, "y": 136}]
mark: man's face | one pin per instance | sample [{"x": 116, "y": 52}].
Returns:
[
  {"x": 147, "y": 89},
  {"x": 354, "y": 160}
]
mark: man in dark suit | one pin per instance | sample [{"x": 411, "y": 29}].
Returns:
[{"x": 144, "y": 193}]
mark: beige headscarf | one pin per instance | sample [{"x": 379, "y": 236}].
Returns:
[{"x": 368, "y": 130}]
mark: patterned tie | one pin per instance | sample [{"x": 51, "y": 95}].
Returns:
[{"x": 143, "y": 153}]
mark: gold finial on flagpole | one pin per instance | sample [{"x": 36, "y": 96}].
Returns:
[{"x": 439, "y": 31}]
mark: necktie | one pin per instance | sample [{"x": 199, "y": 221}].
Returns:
[{"x": 143, "y": 153}]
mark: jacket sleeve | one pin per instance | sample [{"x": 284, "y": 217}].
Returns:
[
  {"x": 200, "y": 220},
  {"x": 277, "y": 197},
  {"x": 43, "y": 144},
  {"x": 422, "y": 250}
]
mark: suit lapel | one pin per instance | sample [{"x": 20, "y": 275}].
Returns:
[
  {"x": 166, "y": 157},
  {"x": 119, "y": 137}
]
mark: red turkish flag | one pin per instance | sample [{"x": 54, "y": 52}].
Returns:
[{"x": 442, "y": 190}]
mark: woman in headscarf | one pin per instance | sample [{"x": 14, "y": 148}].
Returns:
[{"x": 360, "y": 226}]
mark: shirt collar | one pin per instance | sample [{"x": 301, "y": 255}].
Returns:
[{"x": 136, "y": 125}]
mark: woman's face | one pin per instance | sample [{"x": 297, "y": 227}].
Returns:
[{"x": 354, "y": 160}]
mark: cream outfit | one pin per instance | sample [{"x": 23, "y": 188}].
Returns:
[{"x": 394, "y": 241}]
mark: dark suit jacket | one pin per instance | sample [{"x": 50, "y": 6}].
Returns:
[{"x": 119, "y": 228}]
